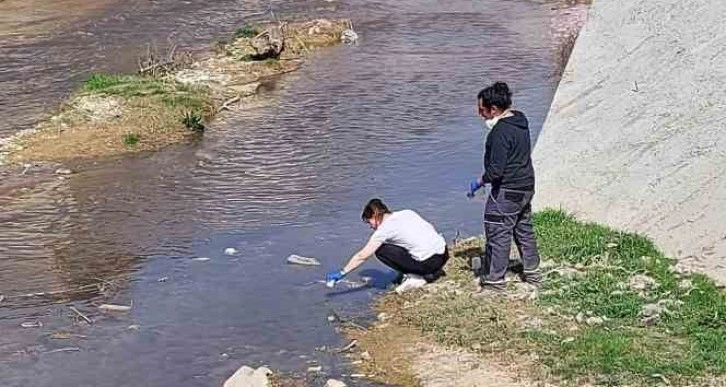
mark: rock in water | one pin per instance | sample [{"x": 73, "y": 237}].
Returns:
[
  {"x": 249, "y": 377},
  {"x": 230, "y": 251},
  {"x": 63, "y": 171},
  {"x": 304, "y": 261},
  {"x": 349, "y": 37},
  {"x": 335, "y": 383},
  {"x": 268, "y": 45}
]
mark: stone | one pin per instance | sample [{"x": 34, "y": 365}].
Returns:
[
  {"x": 649, "y": 321},
  {"x": 685, "y": 284},
  {"x": 580, "y": 318},
  {"x": 335, "y": 383},
  {"x": 366, "y": 356},
  {"x": 230, "y": 251},
  {"x": 642, "y": 282},
  {"x": 349, "y": 37},
  {"x": 315, "y": 369},
  {"x": 63, "y": 171},
  {"x": 651, "y": 310},
  {"x": 534, "y": 323},
  {"x": 594, "y": 321},
  {"x": 249, "y": 377},
  {"x": 268, "y": 45}
]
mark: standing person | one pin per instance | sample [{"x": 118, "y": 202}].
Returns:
[
  {"x": 403, "y": 241},
  {"x": 508, "y": 168}
]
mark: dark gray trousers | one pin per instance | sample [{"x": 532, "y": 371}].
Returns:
[{"x": 508, "y": 214}]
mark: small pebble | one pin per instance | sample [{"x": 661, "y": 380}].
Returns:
[
  {"x": 63, "y": 171},
  {"x": 230, "y": 251}
]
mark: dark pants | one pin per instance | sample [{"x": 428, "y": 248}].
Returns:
[
  {"x": 508, "y": 215},
  {"x": 399, "y": 259}
]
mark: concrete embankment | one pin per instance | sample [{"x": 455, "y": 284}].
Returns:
[{"x": 636, "y": 134}]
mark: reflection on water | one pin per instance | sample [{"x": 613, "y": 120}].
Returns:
[{"x": 393, "y": 117}]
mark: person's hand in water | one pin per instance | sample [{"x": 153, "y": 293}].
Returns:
[
  {"x": 333, "y": 277},
  {"x": 473, "y": 187}
]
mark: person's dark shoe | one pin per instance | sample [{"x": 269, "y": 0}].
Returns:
[
  {"x": 435, "y": 276},
  {"x": 532, "y": 277},
  {"x": 398, "y": 280},
  {"x": 491, "y": 288}
]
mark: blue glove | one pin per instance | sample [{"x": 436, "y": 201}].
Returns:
[
  {"x": 473, "y": 187},
  {"x": 333, "y": 277}
]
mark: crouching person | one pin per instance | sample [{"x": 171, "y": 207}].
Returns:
[{"x": 403, "y": 241}]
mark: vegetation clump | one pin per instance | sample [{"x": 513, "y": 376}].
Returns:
[{"x": 613, "y": 311}]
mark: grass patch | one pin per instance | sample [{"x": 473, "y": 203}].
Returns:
[
  {"x": 131, "y": 139},
  {"x": 587, "y": 324},
  {"x": 194, "y": 122},
  {"x": 246, "y": 32},
  {"x": 128, "y": 85}
]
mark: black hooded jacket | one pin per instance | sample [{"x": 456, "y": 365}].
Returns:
[{"x": 507, "y": 154}]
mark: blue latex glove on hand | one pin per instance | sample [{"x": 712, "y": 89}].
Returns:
[
  {"x": 333, "y": 277},
  {"x": 473, "y": 187}
]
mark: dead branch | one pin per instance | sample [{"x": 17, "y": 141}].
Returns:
[
  {"x": 81, "y": 315},
  {"x": 226, "y": 104}
]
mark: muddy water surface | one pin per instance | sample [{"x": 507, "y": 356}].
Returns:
[{"x": 392, "y": 117}]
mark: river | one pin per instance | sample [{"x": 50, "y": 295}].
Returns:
[{"x": 392, "y": 117}]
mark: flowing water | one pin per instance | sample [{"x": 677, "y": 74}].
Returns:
[{"x": 392, "y": 117}]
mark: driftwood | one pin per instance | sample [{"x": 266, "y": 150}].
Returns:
[
  {"x": 114, "y": 308},
  {"x": 269, "y": 44},
  {"x": 81, "y": 315},
  {"x": 152, "y": 63},
  {"x": 229, "y": 102}
]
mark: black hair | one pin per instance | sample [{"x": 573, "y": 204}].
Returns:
[
  {"x": 497, "y": 95},
  {"x": 374, "y": 209}
]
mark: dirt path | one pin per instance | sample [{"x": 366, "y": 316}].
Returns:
[{"x": 436, "y": 366}]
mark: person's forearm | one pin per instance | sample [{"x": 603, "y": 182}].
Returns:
[{"x": 354, "y": 262}]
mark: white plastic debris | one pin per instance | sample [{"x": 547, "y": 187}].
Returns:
[
  {"x": 303, "y": 261},
  {"x": 114, "y": 308}
]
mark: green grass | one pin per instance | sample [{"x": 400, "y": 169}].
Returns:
[
  {"x": 686, "y": 344},
  {"x": 128, "y": 85},
  {"x": 131, "y": 139},
  {"x": 247, "y": 32},
  {"x": 194, "y": 121}
]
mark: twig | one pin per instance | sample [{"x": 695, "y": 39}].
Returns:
[
  {"x": 348, "y": 347},
  {"x": 83, "y": 316},
  {"x": 69, "y": 349},
  {"x": 225, "y": 105},
  {"x": 172, "y": 53},
  {"x": 301, "y": 42},
  {"x": 261, "y": 34},
  {"x": 155, "y": 66},
  {"x": 346, "y": 321}
]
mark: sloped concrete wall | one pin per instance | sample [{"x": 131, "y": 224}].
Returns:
[{"x": 636, "y": 136}]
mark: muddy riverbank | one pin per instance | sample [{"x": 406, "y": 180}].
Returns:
[{"x": 174, "y": 96}]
